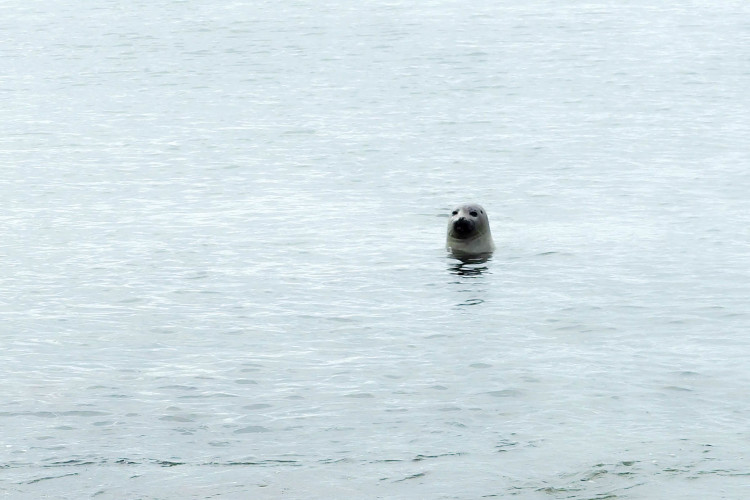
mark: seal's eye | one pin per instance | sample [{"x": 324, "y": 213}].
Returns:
[
  {"x": 455, "y": 212},
  {"x": 473, "y": 213}
]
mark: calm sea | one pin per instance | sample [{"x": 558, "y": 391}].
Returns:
[{"x": 223, "y": 274}]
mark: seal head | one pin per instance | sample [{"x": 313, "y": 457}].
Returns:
[{"x": 469, "y": 232}]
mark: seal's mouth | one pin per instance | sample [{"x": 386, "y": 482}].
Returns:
[{"x": 463, "y": 228}]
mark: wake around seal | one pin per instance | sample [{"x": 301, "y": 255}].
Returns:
[{"x": 469, "y": 233}]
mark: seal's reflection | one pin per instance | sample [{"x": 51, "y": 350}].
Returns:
[
  {"x": 468, "y": 270},
  {"x": 469, "y": 267}
]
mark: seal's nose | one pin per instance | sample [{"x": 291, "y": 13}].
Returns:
[{"x": 463, "y": 226}]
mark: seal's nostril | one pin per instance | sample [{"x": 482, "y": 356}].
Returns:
[{"x": 463, "y": 227}]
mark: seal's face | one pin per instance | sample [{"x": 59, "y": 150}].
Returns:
[{"x": 467, "y": 221}]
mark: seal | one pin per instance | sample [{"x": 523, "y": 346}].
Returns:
[{"x": 469, "y": 233}]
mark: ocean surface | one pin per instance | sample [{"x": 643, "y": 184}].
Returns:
[{"x": 222, "y": 232}]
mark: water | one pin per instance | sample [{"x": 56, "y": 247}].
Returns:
[{"x": 223, "y": 272}]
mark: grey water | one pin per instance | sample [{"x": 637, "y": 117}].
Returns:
[{"x": 222, "y": 234}]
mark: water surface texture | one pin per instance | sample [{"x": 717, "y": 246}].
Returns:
[{"x": 223, "y": 272}]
